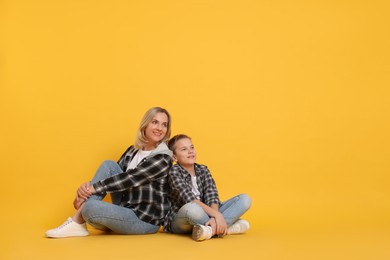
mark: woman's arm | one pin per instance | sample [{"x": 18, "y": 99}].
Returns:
[{"x": 148, "y": 170}]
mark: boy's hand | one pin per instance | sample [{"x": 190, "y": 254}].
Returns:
[
  {"x": 221, "y": 228},
  {"x": 212, "y": 224}
]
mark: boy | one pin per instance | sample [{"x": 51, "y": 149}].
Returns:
[{"x": 195, "y": 204}]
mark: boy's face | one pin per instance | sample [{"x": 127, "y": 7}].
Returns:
[{"x": 185, "y": 153}]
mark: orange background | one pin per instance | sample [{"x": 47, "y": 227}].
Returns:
[{"x": 287, "y": 101}]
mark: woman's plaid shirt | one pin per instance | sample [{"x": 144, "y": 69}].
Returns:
[
  {"x": 180, "y": 190},
  {"x": 145, "y": 188}
]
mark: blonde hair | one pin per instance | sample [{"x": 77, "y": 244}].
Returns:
[{"x": 141, "y": 140}]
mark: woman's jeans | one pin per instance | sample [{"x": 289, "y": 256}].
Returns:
[
  {"x": 103, "y": 215},
  {"x": 191, "y": 213}
]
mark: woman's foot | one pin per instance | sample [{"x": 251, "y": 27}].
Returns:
[
  {"x": 70, "y": 228},
  {"x": 78, "y": 202}
]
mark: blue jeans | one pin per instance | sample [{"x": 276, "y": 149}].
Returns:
[
  {"x": 103, "y": 215},
  {"x": 191, "y": 213}
]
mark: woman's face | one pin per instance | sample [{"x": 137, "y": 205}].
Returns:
[{"x": 156, "y": 130}]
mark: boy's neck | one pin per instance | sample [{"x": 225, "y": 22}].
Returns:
[{"x": 189, "y": 168}]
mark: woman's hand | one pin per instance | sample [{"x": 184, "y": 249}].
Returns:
[
  {"x": 83, "y": 191},
  {"x": 82, "y": 194}
]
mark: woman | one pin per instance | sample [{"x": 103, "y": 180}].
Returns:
[{"x": 137, "y": 184}]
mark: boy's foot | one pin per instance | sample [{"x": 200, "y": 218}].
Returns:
[
  {"x": 238, "y": 227},
  {"x": 201, "y": 232},
  {"x": 68, "y": 229}
]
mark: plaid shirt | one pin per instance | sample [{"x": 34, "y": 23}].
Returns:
[
  {"x": 144, "y": 187},
  {"x": 180, "y": 190}
]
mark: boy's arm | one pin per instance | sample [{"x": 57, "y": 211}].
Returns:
[{"x": 210, "y": 189}]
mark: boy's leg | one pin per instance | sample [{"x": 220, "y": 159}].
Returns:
[
  {"x": 188, "y": 216},
  {"x": 121, "y": 220},
  {"x": 235, "y": 207}
]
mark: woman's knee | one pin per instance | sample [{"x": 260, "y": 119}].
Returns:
[{"x": 109, "y": 164}]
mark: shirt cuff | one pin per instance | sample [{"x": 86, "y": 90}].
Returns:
[
  {"x": 98, "y": 186},
  {"x": 213, "y": 201}
]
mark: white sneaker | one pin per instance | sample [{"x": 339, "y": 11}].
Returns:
[
  {"x": 238, "y": 227},
  {"x": 201, "y": 232},
  {"x": 68, "y": 229}
]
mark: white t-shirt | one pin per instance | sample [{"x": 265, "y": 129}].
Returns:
[
  {"x": 137, "y": 159},
  {"x": 195, "y": 188}
]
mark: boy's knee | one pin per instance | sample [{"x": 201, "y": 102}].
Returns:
[
  {"x": 245, "y": 200},
  {"x": 194, "y": 210}
]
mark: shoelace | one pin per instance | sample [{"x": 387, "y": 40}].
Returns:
[
  {"x": 67, "y": 222},
  {"x": 235, "y": 228}
]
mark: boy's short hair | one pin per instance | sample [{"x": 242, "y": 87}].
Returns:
[{"x": 175, "y": 139}]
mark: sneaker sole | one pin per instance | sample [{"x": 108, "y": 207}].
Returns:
[
  {"x": 77, "y": 234},
  {"x": 197, "y": 233}
]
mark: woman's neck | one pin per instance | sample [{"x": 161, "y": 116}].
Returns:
[{"x": 148, "y": 148}]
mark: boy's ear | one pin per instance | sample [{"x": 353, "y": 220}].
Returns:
[{"x": 174, "y": 158}]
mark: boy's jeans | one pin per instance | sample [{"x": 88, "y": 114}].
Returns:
[{"x": 191, "y": 213}]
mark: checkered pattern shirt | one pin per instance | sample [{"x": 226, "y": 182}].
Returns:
[
  {"x": 144, "y": 188},
  {"x": 180, "y": 190}
]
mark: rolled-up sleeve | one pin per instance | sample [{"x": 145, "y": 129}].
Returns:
[{"x": 211, "y": 193}]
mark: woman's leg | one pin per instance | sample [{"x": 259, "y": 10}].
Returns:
[
  {"x": 121, "y": 220},
  {"x": 188, "y": 216},
  {"x": 75, "y": 226},
  {"x": 235, "y": 207},
  {"x": 106, "y": 170}
]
